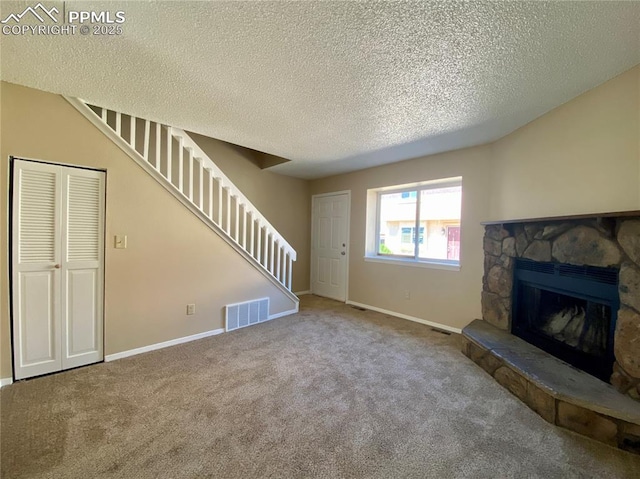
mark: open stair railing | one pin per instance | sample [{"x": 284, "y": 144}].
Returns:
[{"x": 179, "y": 164}]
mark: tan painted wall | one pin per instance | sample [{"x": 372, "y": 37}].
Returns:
[
  {"x": 172, "y": 258},
  {"x": 283, "y": 200},
  {"x": 445, "y": 297},
  {"x": 582, "y": 157}
]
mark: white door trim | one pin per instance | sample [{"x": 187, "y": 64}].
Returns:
[{"x": 348, "y": 240}]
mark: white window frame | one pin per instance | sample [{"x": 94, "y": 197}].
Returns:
[{"x": 373, "y": 227}]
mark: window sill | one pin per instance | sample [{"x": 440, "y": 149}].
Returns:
[{"x": 412, "y": 262}]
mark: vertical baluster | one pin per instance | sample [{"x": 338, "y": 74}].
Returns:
[
  {"x": 190, "y": 178},
  {"x": 180, "y": 165},
  {"x": 227, "y": 221},
  {"x": 118, "y": 123},
  {"x": 158, "y": 148},
  {"x": 272, "y": 245},
  {"x": 169, "y": 154},
  {"x": 258, "y": 240},
  {"x": 265, "y": 258},
  {"x": 236, "y": 232},
  {"x": 251, "y": 234},
  {"x": 132, "y": 132},
  {"x": 219, "y": 185},
  {"x": 201, "y": 184},
  {"x": 103, "y": 114},
  {"x": 244, "y": 226},
  {"x": 210, "y": 174},
  {"x": 278, "y": 259},
  {"x": 145, "y": 147},
  {"x": 283, "y": 280},
  {"x": 290, "y": 272}
]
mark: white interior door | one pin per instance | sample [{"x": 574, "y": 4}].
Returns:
[
  {"x": 329, "y": 248},
  {"x": 57, "y": 274}
]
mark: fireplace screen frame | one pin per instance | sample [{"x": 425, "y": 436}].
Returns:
[{"x": 590, "y": 283}]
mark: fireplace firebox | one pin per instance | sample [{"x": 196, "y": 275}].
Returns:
[{"x": 569, "y": 311}]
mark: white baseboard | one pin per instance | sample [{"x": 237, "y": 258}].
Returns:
[
  {"x": 406, "y": 316},
  {"x": 5, "y": 382},
  {"x": 165, "y": 344},
  {"x": 302, "y": 293},
  {"x": 285, "y": 313}
]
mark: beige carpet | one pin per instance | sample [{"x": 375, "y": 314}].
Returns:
[{"x": 330, "y": 392}]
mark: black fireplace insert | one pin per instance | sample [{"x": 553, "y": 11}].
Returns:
[{"x": 569, "y": 311}]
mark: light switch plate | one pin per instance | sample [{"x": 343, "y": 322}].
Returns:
[{"x": 120, "y": 242}]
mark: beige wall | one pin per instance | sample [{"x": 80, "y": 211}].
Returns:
[
  {"x": 172, "y": 258},
  {"x": 446, "y": 297},
  {"x": 283, "y": 200},
  {"x": 582, "y": 157}
]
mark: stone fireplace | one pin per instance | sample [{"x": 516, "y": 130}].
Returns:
[
  {"x": 560, "y": 325},
  {"x": 580, "y": 277}
]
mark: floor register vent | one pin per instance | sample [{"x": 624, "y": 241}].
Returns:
[{"x": 240, "y": 315}]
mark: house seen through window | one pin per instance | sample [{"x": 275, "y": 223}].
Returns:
[{"x": 421, "y": 223}]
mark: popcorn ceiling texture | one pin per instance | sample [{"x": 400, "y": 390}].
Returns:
[{"x": 336, "y": 86}]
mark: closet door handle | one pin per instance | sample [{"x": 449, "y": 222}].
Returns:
[{"x": 56, "y": 266}]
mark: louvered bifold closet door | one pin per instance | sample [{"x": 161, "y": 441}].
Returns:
[
  {"x": 83, "y": 249},
  {"x": 36, "y": 274},
  {"x": 58, "y": 258}
]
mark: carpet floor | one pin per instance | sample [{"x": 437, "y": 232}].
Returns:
[{"x": 331, "y": 392}]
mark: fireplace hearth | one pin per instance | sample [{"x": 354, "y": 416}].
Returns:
[{"x": 569, "y": 311}]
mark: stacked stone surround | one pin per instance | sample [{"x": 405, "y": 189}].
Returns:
[{"x": 607, "y": 241}]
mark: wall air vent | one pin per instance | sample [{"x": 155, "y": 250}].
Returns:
[{"x": 240, "y": 315}]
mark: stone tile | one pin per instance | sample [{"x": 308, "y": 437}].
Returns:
[
  {"x": 496, "y": 310},
  {"x": 630, "y": 285},
  {"x": 496, "y": 232},
  {"x": 629, "y": 239},
  {"x": 629, "y": 437},
  {"x": 499, "y": 281},
  {"x": 483, "y": 358},
  {"x": 512, "y": 381},
  {"x": 588, "y": 423},
  {"x": 533, "y": 230},
  {"x": 552, "y": 230},
  {"x": 584, "y": 245},
  {"x": 521, "y": 241},
  {"x": 465, "y": 346},
  {"x": 538, "y": 251},
  {"x": 509, "y": 246},
  {"x": 542, "y": 402},
  {"x": 492, "y": 247},
  {"x": 627, "y": 341}
]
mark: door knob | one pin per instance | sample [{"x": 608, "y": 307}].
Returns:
[
  {"x": 56, "y": 266},
  {"x": 343, "y": 253}
]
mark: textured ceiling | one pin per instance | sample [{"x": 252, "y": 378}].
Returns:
[{"x": 335, "y": 86}]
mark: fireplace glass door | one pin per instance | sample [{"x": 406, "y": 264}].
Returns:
[{"x": 572, "y": 318}]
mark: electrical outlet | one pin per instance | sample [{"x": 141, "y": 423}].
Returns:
[
  {"x": 407, "y": 294},
  {"x": 191, "y": 309}
]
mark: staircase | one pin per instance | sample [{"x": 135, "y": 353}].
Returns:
[{"x": 176, "y": 161}]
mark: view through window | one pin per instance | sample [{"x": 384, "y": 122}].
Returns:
[{"x": 422, "y": 223}]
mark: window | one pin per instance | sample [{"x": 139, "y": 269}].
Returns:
[{"x": 430, "y": 209}]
